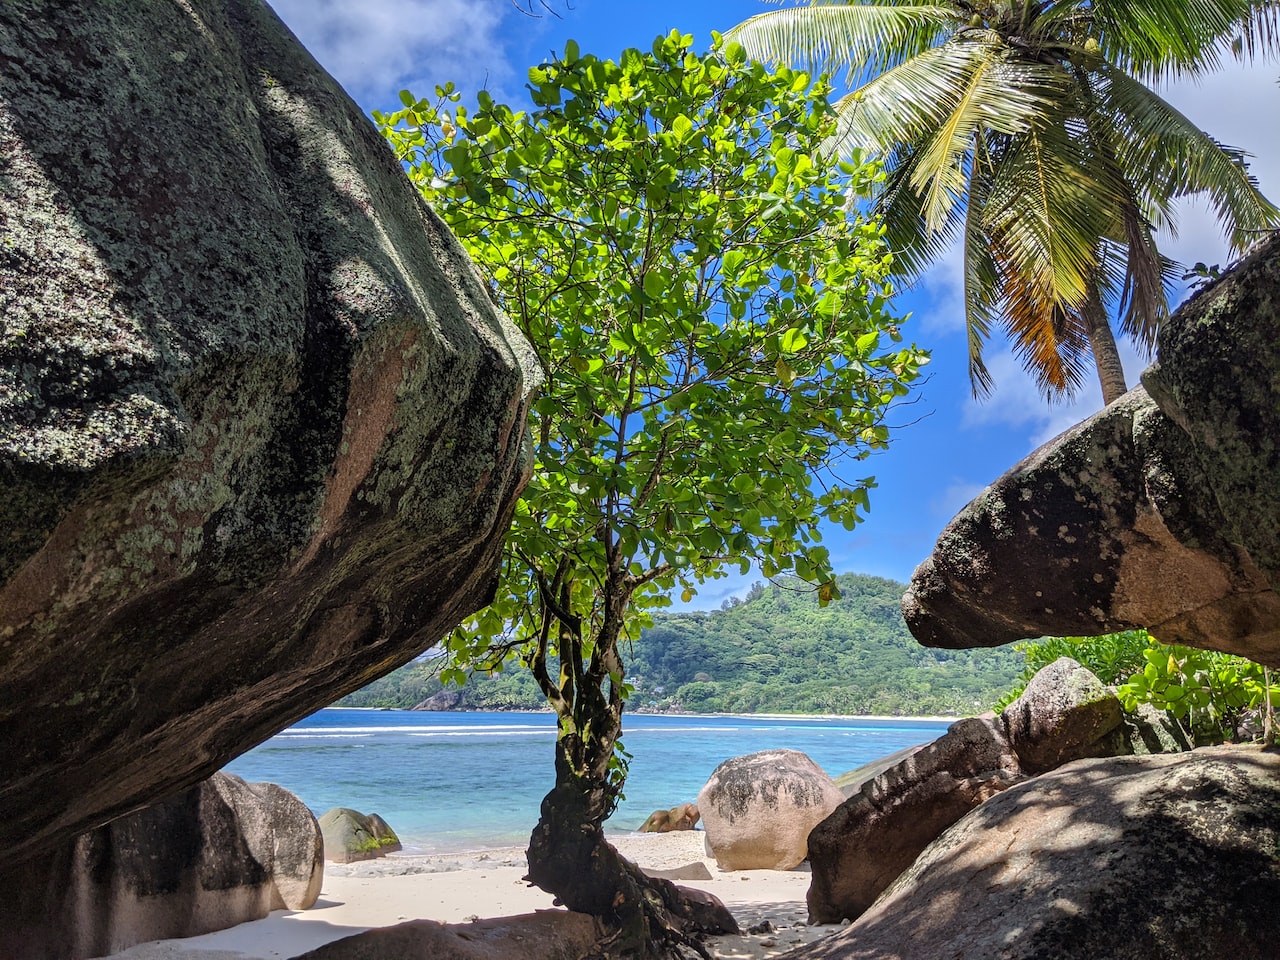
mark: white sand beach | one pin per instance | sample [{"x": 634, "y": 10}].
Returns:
[{"x": 454, "y": 888}]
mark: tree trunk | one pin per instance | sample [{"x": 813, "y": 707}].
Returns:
[
  {"x": 570, "y": 858},
  {"x": 1106, "y": 355}
]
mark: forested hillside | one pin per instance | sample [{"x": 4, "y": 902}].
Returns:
[{"x": 777, "y": 651}]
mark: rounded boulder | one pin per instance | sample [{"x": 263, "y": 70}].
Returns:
[{"x": 758, "y": 809}]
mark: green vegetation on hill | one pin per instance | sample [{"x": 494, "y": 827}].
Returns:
[{"x": 777, "y": 651}]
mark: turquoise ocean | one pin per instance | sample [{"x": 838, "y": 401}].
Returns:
[{"x": 449, "y": 782}]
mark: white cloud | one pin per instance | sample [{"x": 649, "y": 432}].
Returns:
[
  {"x": 957, "y": 495},
  {"x": 377, "y": 47},
  {"x": 1016, "y": 402},
  {"x": 943, "y": 283}
]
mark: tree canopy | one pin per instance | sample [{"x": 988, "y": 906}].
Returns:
[
  {"x": 714, "y": 328},
  {"x": 1025, "y": 131}
]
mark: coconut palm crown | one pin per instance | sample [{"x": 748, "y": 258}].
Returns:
[{"x": 1026, "y": 131}]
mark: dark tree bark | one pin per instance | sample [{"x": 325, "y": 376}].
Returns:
[{"x": 568, "y": 854}]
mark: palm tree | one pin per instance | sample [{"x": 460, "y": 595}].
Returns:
[{"x": 1026, "y": 130}]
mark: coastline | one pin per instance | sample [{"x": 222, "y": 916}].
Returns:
[
  {"x": 640, "y": 711},
  {"x": 488, "y": 884}
]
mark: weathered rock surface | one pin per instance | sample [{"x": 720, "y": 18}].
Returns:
[
  {"x": 444, "y": 700},
  {"x": 1173, "y": 857},
  {"x": 1162, "y": 511},
  {"x": 758, "y": 809},
  {"x": 261, "y": 428},
  {"x": 1064, "y": 714},
  {"x": 868, "y": 840},
  {"x": 218, "y": 854},
  {"x": 351, "y": 836},
  {"x": 545, "y": 935},
  {"x": 683, "y": 816}
]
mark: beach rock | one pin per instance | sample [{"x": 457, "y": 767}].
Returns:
[
  {"x": 687, "y": 871},
  {"x": 878, "y": 832},
  {"x": 851, "y": 781},
  {"x": 261, "y": 427},
  {"x": 283, "y": 833},
  {"x": 1161, "y": 511},
  {"x": 218, "y": 854},
  {"x": 758, "y": 809},
  {"x": 382, "y": 832},
  {"x": 350, "y": 835},
  {"x": 1065, "y": 713},
  {"x": 545, "y": 935},
  {"x": 444, "y": 700},
  {"x": 1174, "y": 857},
  {"x": 684, "y": 816}
]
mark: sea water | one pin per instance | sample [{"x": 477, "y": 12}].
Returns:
[{"x": 464, "y": 781}]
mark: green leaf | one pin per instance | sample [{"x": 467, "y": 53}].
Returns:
[{"x": 793, "y": 341}]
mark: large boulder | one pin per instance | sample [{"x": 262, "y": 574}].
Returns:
[
  {"x": 1173, "y": 857},
  {"x": 860, "y": 849},
  {"x": 261, "y": 427},
  {"x": 1064, "y": 714},
  {"x": 1161, "y": 511},
  {"x": 351, "y": 836},
  {"x": 758, "y": 809},
  {"x": 683, "y": 816},
  {"x": 218, "y": 854}
]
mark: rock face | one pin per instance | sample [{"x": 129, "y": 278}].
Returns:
[
  {"x": 545, "y": 935},
  {"x": 351, "y": 836},
  {"x": 221, "y": 853},
  {"x": 758, "y": 810},
  {"x": 1162, "y": 511},
  {"x": 1173, "y": 857},
  {"x": 1064, "y": 714},
  {"x": 683, "y": 816},
  {"x": 261, "y": 428},
  {"x": 879, "y": 831}
]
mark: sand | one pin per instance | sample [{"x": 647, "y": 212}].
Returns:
[{"x": 459, "y": 887}]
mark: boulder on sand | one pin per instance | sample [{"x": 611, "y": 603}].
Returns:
[
  {"x": 758, "y": 809},
  {"x": 1064, "y": 714},
  {"x": 220, "y": 853},
  {"x": 684, "y": 816},
  {"x": 350, "y": 836}
]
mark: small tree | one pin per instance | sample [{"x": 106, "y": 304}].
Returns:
[{"x": 712, "y": 323}]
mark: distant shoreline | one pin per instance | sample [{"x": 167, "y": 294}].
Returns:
[{"x": 673, "y": 713}]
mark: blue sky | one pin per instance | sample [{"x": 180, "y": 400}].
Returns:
[{"x": 953, "y": 445}]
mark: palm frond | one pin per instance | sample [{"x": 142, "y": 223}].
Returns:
[
  {"x": 1165, "y": 156},
  {"x": 981, "y": 276},
  {"x": 898, "y": 208},
  {"x": 862, "y": 39},
  {"x": 1155, "y": 39}
]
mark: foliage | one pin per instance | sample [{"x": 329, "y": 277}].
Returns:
[
  {"x": 1111, "y": 657},
  {"x": 1025, "y": 130},
  {"x": 777, "y": 651},
  {"x": 712, "y": 322},
  {"x": 1208, "y": 690}
]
